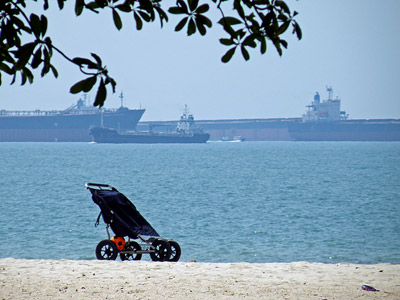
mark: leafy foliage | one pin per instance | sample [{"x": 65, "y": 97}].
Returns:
[{"x": 253, "y": 24}]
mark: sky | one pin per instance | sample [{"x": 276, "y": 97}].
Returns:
[{"x": 352, "y": 46}]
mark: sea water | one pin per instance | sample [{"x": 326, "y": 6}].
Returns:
[{"x": 223, "y": 202}]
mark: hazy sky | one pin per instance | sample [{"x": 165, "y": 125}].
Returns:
[{"x": 353, "y": 46}]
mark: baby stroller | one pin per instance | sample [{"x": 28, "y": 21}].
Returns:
[{"x": 125, "y": 221}]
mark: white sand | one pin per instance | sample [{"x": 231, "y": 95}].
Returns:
[{"x": 71, "y": 279}]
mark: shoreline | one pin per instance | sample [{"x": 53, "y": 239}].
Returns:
[{"x": 93, "y": 279}]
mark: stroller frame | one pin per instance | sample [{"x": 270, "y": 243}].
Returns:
[{"x": 158, "y": 248}]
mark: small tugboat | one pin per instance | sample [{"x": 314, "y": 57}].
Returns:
[{"x": 186, "y": 132}]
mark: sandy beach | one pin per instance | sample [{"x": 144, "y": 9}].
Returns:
[{"x": 67, "y": 279}]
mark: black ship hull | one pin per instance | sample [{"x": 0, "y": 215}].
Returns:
[
  {"x": 346, "y": 131},
  {"x": 105, "y": 135}
]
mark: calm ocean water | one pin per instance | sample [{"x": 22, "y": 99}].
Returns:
[{"x": 223, "y": 202}]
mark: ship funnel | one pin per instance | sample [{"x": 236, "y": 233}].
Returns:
[
  {"x": 121, "y": 96},
  {"x": 317, "y": 98}
]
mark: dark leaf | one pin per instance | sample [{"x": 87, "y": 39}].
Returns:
[
  {"x": 45, "y": 70},
  {"x": 89, "y": 83},
  {"x": 117, "y": 19},
  {"x": 26, "y": 74},
  {"x": 35, "y": 25},
  {"x": 46, "y": 64},
  {"x": 191, "y": 27},
  {"x": 60, "y": 4},
  {"x": 125, "y": 7},
  {"x": 54, "y": 70},
  {"x": 241, "y": 33},
  {"x": 93, "y": 7},
  {"x": 228, "y": 55},
  {"x": 283, "y": 28},
  {"x": 84, "y": 62},
  {"x": 283, "y": 5},
  {"x": 101, "y": 94},
  {"x": 144, "y": 16},
  {"x": 193, "y": 4},
  {"x": 176, "y": 10},
  {"x": 48, "y": 43},
  {"x": 226, "y": 42},
  {"x": 29, "y": 75},
  {"x": 139, "y": 22},
  {"x": 102, "y": 3},
  {"x": 297, "y": 30},
  {"x": 79, "y": 4},
  {"x": 263, "y": 47},
  {"x": 200, "y": 26},
  {"x": 278, "y": 46},
  {"x": 13, "y": 80},
  {"x": 202, "y": 8},
  {"x": 206, "y": 21},
  {"x": 113, "y": 83},
  {"x": 97, "y": 58},
  {"x": 5, "y": 68},
  {"x": 182, "y": 4},
  {"x": 147, "y": 6},
  {"x": 84, "y": 85},
  {"x": 238, "y": 7},
  {"x": 284, "y": 43},
  {"x": 23, "y": 77},
  {"x": 37, "y": 58},
  {"x": 24, "y": 54},
  {"x": 250, "y": 41},
  {"x": 245, "y": 53},
  {"x": 181, "y": 24},
  {"x": 283, "y": 17},
  {"x": 20, "y": 24},
  {"x": 268, "y": 19},
  {"x": 229, "y": 21},
  {"x": 163, "y": 16},
  {"x": 43, "y": 21}
]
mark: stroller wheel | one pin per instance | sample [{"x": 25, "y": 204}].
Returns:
[
  {"x": 131, "y": 246},
  {"x": 175, "y": 251},
  {"x": 106, "y": 249},
  {"x": 162, "y": 250}
]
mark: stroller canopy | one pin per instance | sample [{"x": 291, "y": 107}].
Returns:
[{"x": 120, "y": 213}]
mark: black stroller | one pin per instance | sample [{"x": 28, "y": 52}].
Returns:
[{"x": 125, "y": 221}]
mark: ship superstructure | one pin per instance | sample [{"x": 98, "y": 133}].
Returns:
[{"x": 186, "y": 123}]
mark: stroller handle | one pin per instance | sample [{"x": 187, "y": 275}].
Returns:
[{"x": 100, "y": 186}]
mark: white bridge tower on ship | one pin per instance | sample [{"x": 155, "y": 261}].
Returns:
[{"x": 326, "y": 111}]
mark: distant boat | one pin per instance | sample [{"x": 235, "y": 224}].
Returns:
[
  {"x": 235, "y": 139},
  {"x": 186, "y": 132}
]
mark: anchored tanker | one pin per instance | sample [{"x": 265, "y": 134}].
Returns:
[
  {"x": 70, "y": 125},
  {"x": 324, "y": 121}
]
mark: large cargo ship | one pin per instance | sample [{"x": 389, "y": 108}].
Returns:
[
  {"x": 324, "y": 121},
  {"x": 70, "y": 125},
  {"x": 185, "y": 132}
]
